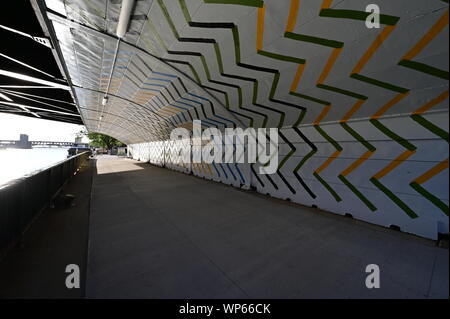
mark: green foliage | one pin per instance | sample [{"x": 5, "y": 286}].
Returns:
[{"x": 101, "y": 140}]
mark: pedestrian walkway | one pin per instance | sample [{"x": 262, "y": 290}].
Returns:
[{"x": 156, "y": 233}]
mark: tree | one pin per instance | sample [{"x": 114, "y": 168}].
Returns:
[{"x": 101, "y": 140}]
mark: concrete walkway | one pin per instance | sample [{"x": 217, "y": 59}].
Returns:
[{"x": 155, "y": 233}]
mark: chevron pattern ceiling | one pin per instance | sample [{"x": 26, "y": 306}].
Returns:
[{"x": 363, "y": 113}]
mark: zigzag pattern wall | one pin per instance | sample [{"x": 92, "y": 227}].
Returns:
[{"x": 362, "y": 113}]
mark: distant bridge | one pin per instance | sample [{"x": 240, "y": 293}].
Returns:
[
  {"x": 24, "y": 143},
  {"x": 59, "y": 144}
]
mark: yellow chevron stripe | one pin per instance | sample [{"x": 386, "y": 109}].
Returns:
[
  {"x": 187, "y": 126},
  {"x": 373, "y": 48},
  {"x": 328, "y": 66},
  {"x": 293, "y": 12},
  {"x": 141, "y": 101},
  {"x": 324, "y": 113},
  {"x": 203, "y": 168},
  {"x": 432, "y": 172},
  {"x": 357, "y": 163},
  {"x": 352, "y": 111},
  {"x": 392, "y": 165},
  {"x": 141, "y": 93},
  {"x": 260, "y": 28},
  {"x": 298, "y": 75},
  {"x": 289, "y": 27},
  {"x": 367, "y": 154},
  {"x": 208, "y": 167},
  {"x": 388, "y": 105},
  {"x": 442, "y": 97},
  {"x": 330, "y": 63},
  {"x": 113, "y": 84},
  {"x": 326, "y": 4},
  {"x": 328, "y": 162},
  {"x": 174, "y": 109},
  {"x": 166, "y": 112},
  {"x": 426, "y": 39}
]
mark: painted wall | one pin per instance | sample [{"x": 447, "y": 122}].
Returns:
[{"x": 363, "y": 113}]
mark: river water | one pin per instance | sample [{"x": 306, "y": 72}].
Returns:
[{"x": 15, "y": 163}]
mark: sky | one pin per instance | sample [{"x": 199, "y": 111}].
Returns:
[{"x": 11, "y": 126}]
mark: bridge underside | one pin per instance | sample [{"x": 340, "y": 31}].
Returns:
[{"x": 363, "y": 113}]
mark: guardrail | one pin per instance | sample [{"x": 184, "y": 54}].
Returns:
[{"x": 22, "y": 199}]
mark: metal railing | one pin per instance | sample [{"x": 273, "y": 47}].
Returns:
[{"x": 22, "y": 199}]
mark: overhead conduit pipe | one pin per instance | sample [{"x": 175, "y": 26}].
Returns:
[{"x": 122, "y": 26}]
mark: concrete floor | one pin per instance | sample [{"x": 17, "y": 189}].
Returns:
[{"x": 155, "y": 233}]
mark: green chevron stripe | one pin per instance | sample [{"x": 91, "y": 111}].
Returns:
[
  {"x": 255, "y": 85},
  {"x": 285, "y": 159},
  {"x": 338, "y": 148},
  {"x": 394, "y": 198},
  {"x": 347, "y": 128},
  {"x": 358, "y": 137},
  {"x": 315, "y": 40},
  {"x": 152, "y": 29},
  {"x": 382, "y": 84},
  {"x": 358, "y": 193},
  {"x": 280, "y": 57},
  {"x": 273, "y": 90},
  {"x": 310, "y": 98},
  {"x": 325, "y": 184},
  {"x": 357, "y": 15},
  {"x": 207, "y": 72},
  {"x": 389, "y": 133},
  {"x": 305, "y": 158},
  {"x": 424, "y": 68},
  {"x": 237, "y": 54},
  {"x": 248, "y": 3},
  {"x": 393, "y": 136},
  {"x": 334, "y": 44},
  {"x": 328, "y": 138},
  {"x": 227, "y": 101},
  {"x": 436, "y": 201},
  {"x": 371, "y": 148},
  {"x": 342, "y": 91},
  {"x": 237, "y": 44},
  {"x": 431, "y": 127},
  {"x": 191, "y": 68},
  {"x": 291, "y": 152},
  {"x": 276, "y": 74},
  {"x": 168, "y": 19}
]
